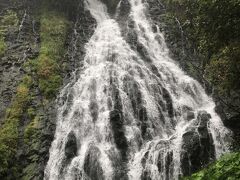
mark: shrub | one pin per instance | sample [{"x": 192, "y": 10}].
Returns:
[
  {"x": 228, "y": 167},
  {"x": 223, "y": 70}
]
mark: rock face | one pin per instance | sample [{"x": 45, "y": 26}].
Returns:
[
  {"x": 197, "y": 145},
  {"x": 71, "y": 146},
  {"x": 23, "y": 43},
  {"x": 111, "y": 5},
  {"x": 92, "y": 166}
]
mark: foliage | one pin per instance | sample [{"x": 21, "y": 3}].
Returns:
[
  {"x": 53, "y": 33},
  {"x": 224, "y": 69},
  {"x": 9, "y": 20},
  {"x": 30, "y": 130},
  {"x": 47, "y": 75},
  {"x": 9, "y": 130},
  {"x": 69, "y": 7},
  {"x": 2, "y": 46},
  {"x": 213, "y": 28},
  {"x": 29, "y": 171},
  {"x": 228, "y": 167},
  {"x": 43, "y": 72}
]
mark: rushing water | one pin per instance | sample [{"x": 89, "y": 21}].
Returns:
[{"x": 124, "y": 116}]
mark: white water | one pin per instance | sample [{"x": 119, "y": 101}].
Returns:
[{"x": 110, "y": 61}]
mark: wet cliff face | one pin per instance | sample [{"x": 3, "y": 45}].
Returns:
[
  {"x": 22, "y": 39},
  {"x": 178, "y": 35},
  {"x": 20, "y": 43},
  {"x": 131, "y": 112},
  {"x": 27, "y": 68}
]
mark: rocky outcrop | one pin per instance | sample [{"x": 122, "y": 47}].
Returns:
[
  {"x": 111, "y": 5},
  {"x": 23, "y": 44},
  {"x": 71, "y": 146},
  {"x": 92, "y": 166},
  {"x": 198, "y": 147}
]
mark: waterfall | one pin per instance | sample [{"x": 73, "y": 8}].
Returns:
[{"x": 129, "y": 117}]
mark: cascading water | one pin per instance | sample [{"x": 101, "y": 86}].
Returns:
[{"x": 129, "y": 117}]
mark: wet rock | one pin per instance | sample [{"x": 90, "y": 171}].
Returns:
[
  {"x": 92, "y": 166},
  {"x": 111, "y": 5},
  {"x": 71, "y": 146},
  {"x": 143, "y": 119},
  {"x": 233, "y": 122},
  {"x": 118, "y": 131},
  {"x": 168, "y": 100},
  {"x": 189, "y": 115},
  {"x": 198, "y": 148},
  {"x": 93, "y": 106},
  {"x": 143, "y": 52}
]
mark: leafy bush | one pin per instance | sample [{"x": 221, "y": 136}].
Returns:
[
  {"x": 223, "y": 70},
  {"x": 212, "y": 27},
  {"x": 227, "y": 168}
]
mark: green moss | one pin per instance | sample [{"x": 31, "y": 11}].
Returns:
[
  {"x": 28, "y": 172},
  {"x": 47, "y": 75},
  {"x": 227, "y": 168},
  {"x": 30, "y": 130},
  {"x": 43, "y": 72},
  {"x": 2, "y": 46},
  {"x": 53, "y": 35},
  {"x": 9, "y": 20},
  {"x": 212, "y": 29},
  {"x": 9, "y": 130},
  {"x": 223, "y": 69}
]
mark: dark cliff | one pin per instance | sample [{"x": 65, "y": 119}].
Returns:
[{"x": 42, "y": 43}]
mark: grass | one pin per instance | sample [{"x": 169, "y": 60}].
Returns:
[{"x": 227, "y": 168}]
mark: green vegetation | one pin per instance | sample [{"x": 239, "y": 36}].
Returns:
[
  {"x": 53, "y": 33},
  {"x": 227, "y": 168},
  {"x": 9, "y": 20},
  {"x": 2, "y": 46},
  {"x": 44, "y": 72},
  {"x": 30, "y": 130},
  {"x": 213, "y": 28},
  {"x": 9, "y": 131},
  {"x": 47, "y": 74},
  {"x": 224, "y": 68}
]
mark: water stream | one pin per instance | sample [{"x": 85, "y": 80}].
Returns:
[{"x": 125, "y": 117}]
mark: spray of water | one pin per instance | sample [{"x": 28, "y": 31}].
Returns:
[{"x": 151, "y": 97}]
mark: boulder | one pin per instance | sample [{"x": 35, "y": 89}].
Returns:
[
  {"x": 71, "y": 146},
  {"x": 197, "y": 145},
  {"x": 92, "y": 166},
  {"x": 111, "y": 5},
  {"x": 189, "y": 115}
]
